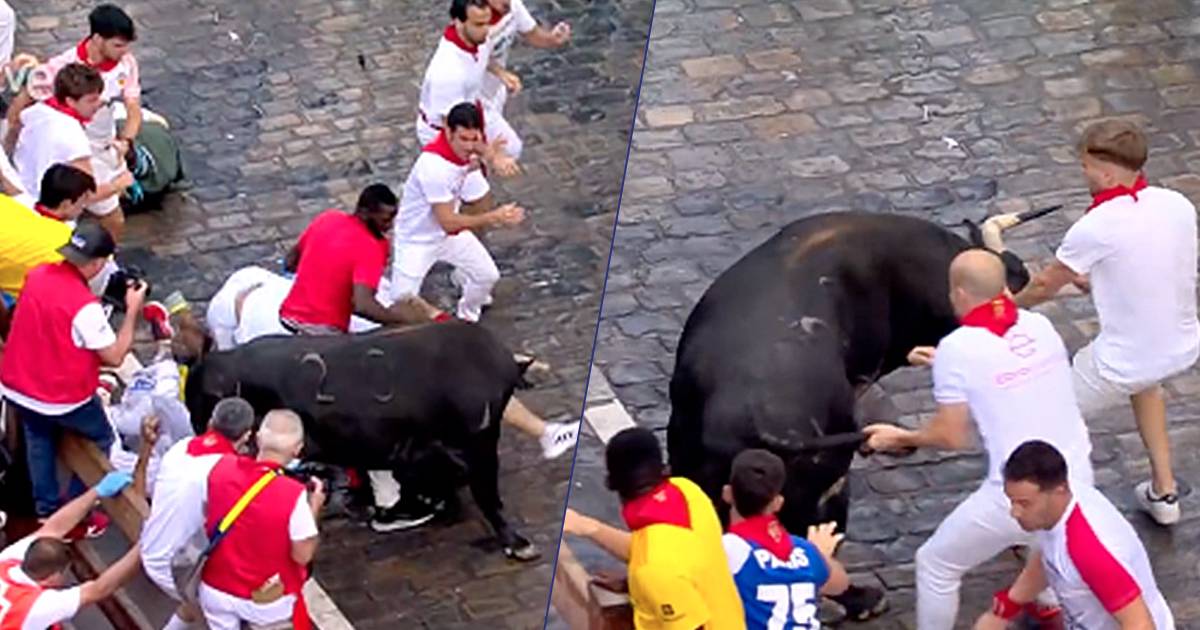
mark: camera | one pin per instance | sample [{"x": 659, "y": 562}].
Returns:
[
  {"x": 305, "y": 472},
  {"x": 118, "y": 284}
]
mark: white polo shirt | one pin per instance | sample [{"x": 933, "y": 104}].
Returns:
[
  {"x": 1096, "y": 565},
  {"x": 47, "y": 137},
  {"x": 1141, "y": 257},
  {"x": 505, "y": 30},
  {"x": 51, "y": 606},
  {"x": 176, "y": 508},
  {"x": 454, "y": 75},
  {"x": 1018, "y": 388},
  {"x": 122, "y": 82},
  {"x": 436, "y": 177}
]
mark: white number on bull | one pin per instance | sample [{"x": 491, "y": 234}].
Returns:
[
  {"x": 800, "y": 600},
  {"x": 313, "y": 357}
]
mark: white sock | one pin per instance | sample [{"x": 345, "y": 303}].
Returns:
[{"x": 176, "y": 623}]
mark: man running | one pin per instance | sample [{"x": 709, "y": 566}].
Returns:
[
  {"x": 1135, "y": 247},
  {"x": 1008, "y": 369},
  {"x": 779, "y": 576},
  {"x": 1087, "y": 553}
]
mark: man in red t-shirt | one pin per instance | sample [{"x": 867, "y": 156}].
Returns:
[{"x": 339, "y": 261}]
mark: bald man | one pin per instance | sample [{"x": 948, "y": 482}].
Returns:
[{"x": 1008, "y": 369}]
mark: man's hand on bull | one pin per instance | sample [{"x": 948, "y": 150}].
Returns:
[
  {"x": 316, "y": 495},
  {"x": 887, "y": 438},
  {"x": 825, "y": 538},
  {"x": 989, "y": 621},
  {"x": 922, "y": 356}
]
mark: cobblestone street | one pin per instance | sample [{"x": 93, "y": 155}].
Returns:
[
  {"x": 755, "y": 113},
  {"x": 278, "y": 121}
]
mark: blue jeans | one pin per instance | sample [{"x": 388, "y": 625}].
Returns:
[{"x": 42, "y": 434}]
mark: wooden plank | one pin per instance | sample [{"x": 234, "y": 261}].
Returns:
[
  {"x": 583, "y": 604},
  {"x": 128, "y": 509},
  {"x": 120, "y": 610}
]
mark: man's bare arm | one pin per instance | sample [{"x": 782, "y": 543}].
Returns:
[
  {"x": 454, "y": 222},
  {"x": 614, "y": 541},
  {"x": 1135, "y": 616},
  {"x": 950, "y": 429},
  {"x": 1045, "y": 284},
  {"x": 133, "y": 119},
  {"x": 21, "y": 101},
  {"x": 112, "y": 578},
  {"x": 542, "y": 37}
]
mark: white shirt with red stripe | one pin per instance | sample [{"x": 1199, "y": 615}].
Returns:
[
  {"x": 438, "y": 176},
  {"x": 1018, "y": 387},
  {"x": 454, "y": 75},
  {"x": 51, "y": 606},
  {"x": 122, "y": 82},
  {"x": 48, "y": 137},
  {"x": 1096, "y": 565},
  {"x": 1141, "y": 256}
]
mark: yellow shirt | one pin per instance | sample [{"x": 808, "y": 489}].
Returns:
[
  {"x": 679, "y": 578},
  {"x": 27, "y": 239}
]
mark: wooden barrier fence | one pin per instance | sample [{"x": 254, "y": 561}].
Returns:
[{"x": 582, "y": 603}]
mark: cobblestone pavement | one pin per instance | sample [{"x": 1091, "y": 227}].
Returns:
[
  {"x": 755, "y": 113},
  {"x": 279, "y": 122}
]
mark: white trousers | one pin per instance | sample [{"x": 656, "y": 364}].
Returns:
[
  {"x": 976, "y": 531},
  {"x": 495, "y": 125},
  {"x": 223, "y": 611},
  {"x": 1095, "y": 393},
  {"x": 472, "y": 263}
]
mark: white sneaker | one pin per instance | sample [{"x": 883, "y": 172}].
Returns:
[
  {"x": 559, "y": 438},
  {"x": 1163, "y": 509},
  {"x": 459, "y": 279}
]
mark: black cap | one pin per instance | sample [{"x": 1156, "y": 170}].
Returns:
[
  {"x": 634, "y": 461},
  {"x": 756, "y": 478},
  {"x": 88, "y": 242}
]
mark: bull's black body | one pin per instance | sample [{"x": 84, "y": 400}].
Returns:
[
  {"x": 426, "y": 402},
  {"x": 772, "y": 355}
]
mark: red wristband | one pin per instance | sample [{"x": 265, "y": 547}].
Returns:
[
  {"x": 442, "y": 317},
  {"x": 1004, "y": 607}
]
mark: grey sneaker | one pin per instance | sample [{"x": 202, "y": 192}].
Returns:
[{"x": 1163, "y": 509}]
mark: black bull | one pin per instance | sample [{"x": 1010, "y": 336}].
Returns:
[
  {"x": 776, "y": 351},
  {"x": 426, "y": 402}
]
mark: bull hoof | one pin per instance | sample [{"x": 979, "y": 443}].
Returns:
[
  {"x": 862, "y": 602},
  {"x": 522, "y": 550}
]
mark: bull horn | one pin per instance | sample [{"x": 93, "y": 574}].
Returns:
[{"x": 994, "y": 227}]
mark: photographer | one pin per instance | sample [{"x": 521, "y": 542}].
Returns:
[{"x": 59, "y": 339}]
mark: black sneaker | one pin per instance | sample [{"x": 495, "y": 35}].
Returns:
[{"x": 403, "y": 515}]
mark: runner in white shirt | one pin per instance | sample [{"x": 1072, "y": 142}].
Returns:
[
  {"x": 1088, "y": 554},
  {"x": 1008, "y": 369},
  {"x": 430, "y": 226},
  {"x": 180, "y": 492},
  {"x": 510, "y": 19},
  {"x": 35, "y": 569},
  {"x": 456, "y": 75},
  {"x": 106, "y": 49},
  {"x": 1135, "y": 250}
]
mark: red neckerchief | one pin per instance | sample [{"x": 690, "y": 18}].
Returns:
[
  {"x": 1109, "y": 194},
  {"x": 767, "y": 532},
  {"x": 211, "y": 443},
  {"x": 54, "y": 103},
  {"x": 497, "y": 16},
  {"x": 44, "y": 211},
  {"x": 81, "y": 51},
  {"x": 441, "y": 146},
  {"x": 997, "y": 315},
  {"x": 664, "y": 505},
  {"x": 453, "y": 37}
]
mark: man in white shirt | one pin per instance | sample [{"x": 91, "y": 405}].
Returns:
[
  {"x": 1008, "y": 369},
  {"x": 180, "y": 493},
  {"x": 456, "y": 75},
  {"x": 107, "y": 51},
  {"x": 1087, "y": 553},
  {"x": 1135, "y": 248},
  {"x": 511, "y": 18},
  {"x": 430, "y": 226},
  {"x": 35, "y": 569}
]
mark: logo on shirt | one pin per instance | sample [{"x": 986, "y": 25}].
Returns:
[
  {"x": 668, "y": 611},
  {"x": 1022, "y": 345}
]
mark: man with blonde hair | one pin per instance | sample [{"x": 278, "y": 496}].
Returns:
[
  {"x": 1134, "y": 249},
  {"x": 257, "y": 571}
]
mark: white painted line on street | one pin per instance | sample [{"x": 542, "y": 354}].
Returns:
[
  {"x": 324, "y": 613},
  {"x": 605, "y": 413}
]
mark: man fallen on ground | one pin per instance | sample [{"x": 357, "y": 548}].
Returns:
[
  {"x": 1135, "y": 250},
  {"x": 1007, "y": 368},
  {"x": 35, "y": 570},
  {"x": 678, "y": 572},
  {"x": 1087, "y": 553},
  {"x": 173, "y": 536},
  {"x": 456, "y": 75},
  {"x": 779, "y": 576},
  {"x": 106, "y": 50}
]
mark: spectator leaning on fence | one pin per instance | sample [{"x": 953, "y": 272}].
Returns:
[
  {"x": 256, "y": 573},
  {"x": 34, "y": 570},
  {"x": 59, "y": 338}
]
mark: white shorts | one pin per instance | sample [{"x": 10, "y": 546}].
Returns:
[
  {"x": 1095, "y": 393},
  {"x": 106, "y": 166}
]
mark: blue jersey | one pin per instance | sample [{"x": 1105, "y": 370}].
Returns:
[{"x": 777, "y": 594}]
